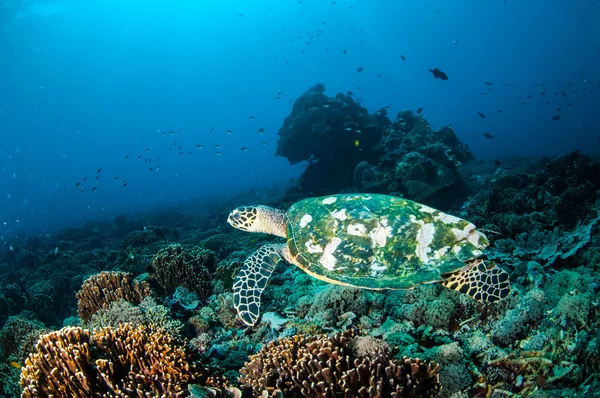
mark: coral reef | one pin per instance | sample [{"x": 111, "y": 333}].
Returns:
[
  {"x": 326, "y": 366},
  {"x": 541, "y": 216},
  {"x": 99, "y": 291}
]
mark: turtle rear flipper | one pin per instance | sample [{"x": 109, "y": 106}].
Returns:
[
  {"x": 485, "y": 283},
  {"x": 252, "y": 280}
]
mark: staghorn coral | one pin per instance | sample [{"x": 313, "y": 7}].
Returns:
[
  {"x": 322, "y": 366},
  {"x": 60, "y": 366},
  {"x": 99, "y": 291},
  {"x": 188, "y": 267},
  {"x": 117, "y": 362}
]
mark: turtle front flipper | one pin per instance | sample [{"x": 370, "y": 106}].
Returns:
[
  {"x": 485, "y": 283},
  {"x": 252, "y": 280}
]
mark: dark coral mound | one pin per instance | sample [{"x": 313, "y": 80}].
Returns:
[
  {"x": 333, "y": 134},
  {"x": 342, "y": 365},
  {"x": 561, "y": 193},
  {"x": 419, "y": 163},
  {"x": 350, "y": 149},
  {"x": 191, "y": 268}
]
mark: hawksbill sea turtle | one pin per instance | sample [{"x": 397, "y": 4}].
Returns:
[{"x": 369, "y": 241}]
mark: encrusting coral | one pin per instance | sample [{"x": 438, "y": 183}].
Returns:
[
  {"x": 118, "y": 362},
  {"x": 323, "y": 366},
  {"x": 99, "y": 291}
]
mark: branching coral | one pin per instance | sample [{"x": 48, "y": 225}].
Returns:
[
  {"x": 117, "y": 362},
  {"x": 323, "y": 366},
  {"x": 99, "y": 291},
  {"x": 178, "y": 266}
]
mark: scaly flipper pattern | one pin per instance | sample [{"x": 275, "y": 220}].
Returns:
[
  {"x": 252, "y": 280},
  {"x": 484, "y": 282}
]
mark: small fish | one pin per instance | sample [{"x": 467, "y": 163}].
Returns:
[
  {"x": 127, "y": 156},
  {"x": 94, "y": 189},
  {"x": 481, "y": 114},
  {"x": 356, "y": 143},
  {"x": 218, "y": 153},
  {"x": 150, "y": 168},
  {"x": 261, "y": 130},
  {"x": 156, "y": 169},
  {"x": 97, "y": 177},
  {"x": 488, "y": 135},
  {"x": 419, "y": 110},
  {"x": 489, "y": 83},
  {"x": 84, "y": 178},
  {"x": 438, "y": 74},
  {"x": 349, "y": 93},
  {"x": 15, "y": 365},
  {"x": 555, "y": 117},
  {"x": 455, "y": 42},
  {"x": 82, "y": 190},
  {"x": 218, "y": 146},
  {"x": 402, "y": 57},
  {"x": 139, "y": 157},
  {"x": 124, "y": 183},
  {"x": 116, "y": 178},
  {"x": 78, "y": 184},
  {"x": 213, "y": 129},
  {"x": 263, "y": 143},
  {"x": 146, "y": 150},
  {"x": 199, "y": 146},
  {"x": 345, "y": 52},
  {"x": 360, "y": 69},
  {"x": 98, "y": 171},
  {"x": 180, "y": 130},
  {"x": 497, "y": 162},
  {"x": 171, "y": 133},
  {"x": 228, "y": 131},
  {"x": 251, "y": 117},
  {"x": 243, "y": 148}
]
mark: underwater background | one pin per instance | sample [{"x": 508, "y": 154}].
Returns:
[{"x": 129, "y": 131}]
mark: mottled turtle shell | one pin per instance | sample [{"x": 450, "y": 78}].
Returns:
[{"x": 378, "y": 241}]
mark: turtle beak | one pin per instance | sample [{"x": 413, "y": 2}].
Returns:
[{"x": 234, "y": 218}]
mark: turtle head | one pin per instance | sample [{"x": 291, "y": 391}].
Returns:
[
  {"x": 258, "y": 219},
  {"x": 245, "y": 218}
]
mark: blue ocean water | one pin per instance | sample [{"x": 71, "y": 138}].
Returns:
[{"x": 88, "y": 87}]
